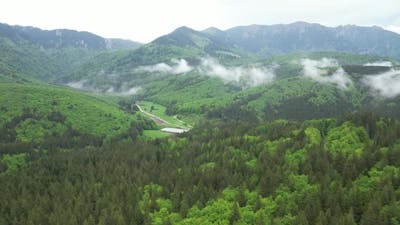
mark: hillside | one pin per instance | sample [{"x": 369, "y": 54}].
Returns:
[
  {"x": 36, "y": 113},
  {"x": 113, "y": 69},
  {"x": 316, "y": 85},
  {"x": 46, "y": 55},
  {"x": 291, "y": 86},
  {"x": 192, "y": 72},
  {"x": 62, "y": 38}
]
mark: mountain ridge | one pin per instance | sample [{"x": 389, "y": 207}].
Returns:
[
  {"x": 48, "y": 54},
  {"x": 209, "y": 73},
  {"x": 54, "y": 38},
  {"x": 267, "y": 40}
]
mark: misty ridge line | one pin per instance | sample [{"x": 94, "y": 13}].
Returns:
[
  {"x": 246, "y": 76},
  {"x": 316, "y": 70},
  {"x": 380, "y": 63},
  {"x": 125, "y": 90},
  {"x": 250, "y": 75},
  {"x": 178, "y": 66},
  {"x": 386, "y": 84}
]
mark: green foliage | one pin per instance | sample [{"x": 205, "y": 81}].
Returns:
[
  {"x": 313, "y": 135},
  {"x": 347, "y": 139},
  {"x": 14, "y": 162},
  {"x": 290, "y": 96},
  {"x": 49, "y": 55},
  {"x": 37, "y": 111},
  {"x": 32, "y": 61},
  {"x": 271, "y": 173},
  {"x": 155, "y": 134}
]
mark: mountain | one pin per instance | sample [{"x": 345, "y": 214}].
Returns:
[
  {"x": 187, "y": 37},
  {"x": 220, "y": 74},
  {"x": 292, "y": 93},
  {"x": 268, "y": 40},
  {"x": 48, "y": 54},
  {"x": 236, "y": 46},
  {"x": 113, "y": 69},
  {"x": 67, "y": 55},
  {"x": 62, "y": 38},
  {"x": 184, "y": 43}
]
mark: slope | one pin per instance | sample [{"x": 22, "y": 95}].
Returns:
[
  {"x": 46, "y": 55},
  {"x": 294, "y": 90},
  {"x": 36, "y": 112},
  {"x": 113, "y": 69}
]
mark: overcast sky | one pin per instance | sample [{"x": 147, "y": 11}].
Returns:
[{"x": 145, "y": 20}]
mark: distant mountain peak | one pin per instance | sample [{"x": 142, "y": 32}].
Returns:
[
  {"x": 183, "y": 29},
  {"x": 212, "y": 30},
  {"x": 182, "y": 36},
  {"x": 302, "y": 23}
]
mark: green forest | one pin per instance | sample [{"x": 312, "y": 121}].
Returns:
[{"x": 329, "y": 171}]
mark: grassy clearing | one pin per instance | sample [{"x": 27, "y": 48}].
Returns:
[
  {"x": 155, "y": 134},
  {"x": 159, "y": 111}
]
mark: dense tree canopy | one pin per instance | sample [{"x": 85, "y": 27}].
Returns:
[{"x": 279, "y": 172}]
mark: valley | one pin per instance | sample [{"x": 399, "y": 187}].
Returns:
[{"x": 157, "y": 113}]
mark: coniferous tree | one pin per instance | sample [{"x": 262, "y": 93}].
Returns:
[
  {"x": 235, "y": 216},
  {"x": 301, "y": 219}
]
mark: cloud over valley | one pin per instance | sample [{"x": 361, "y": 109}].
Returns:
[
  {"x": 246, "y": 75},
  {"x": 318, "y": 70},
  {"x": 385, "y": 84}
]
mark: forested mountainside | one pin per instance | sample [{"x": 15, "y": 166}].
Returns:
[
  {"x": 47, "y": 54},
  {"x": 243, "y": 45},
  {"x": 294, "y": 86},
  {"x": 34, "y": 115},
  {"x": 343, "y": 171}
]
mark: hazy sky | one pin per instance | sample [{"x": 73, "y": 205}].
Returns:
[{"x": 148, "y": 19}]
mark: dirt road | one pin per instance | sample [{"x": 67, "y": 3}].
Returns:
[{"x": 156, "y": 119}]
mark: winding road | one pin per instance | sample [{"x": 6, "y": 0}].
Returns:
[{"x": 156, "y": 119}]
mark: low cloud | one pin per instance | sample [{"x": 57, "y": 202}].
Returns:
[
  {"x": 251, "y": 76},
  {"x": 380, "y": 63},
  {"x": 84, "y": 85},
  {"x": 177, "y": 67},
  {"x": 317, "y": 70},
  {"x": 80, "y": 85},
  {"x": 128, "y": 92},
  {"x": 385, "y": 84}
]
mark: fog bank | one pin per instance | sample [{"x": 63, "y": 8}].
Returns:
[
  {"x": 251, "y": 76},
  {"x": 178, "y": 66},
  {"x": 317, "y": 70},
  {"x": 385, "y": 84}
]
